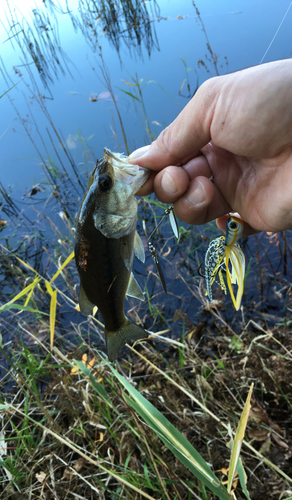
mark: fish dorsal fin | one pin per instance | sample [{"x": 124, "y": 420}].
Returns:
[
  {"x": 85, "y": 305},
  {"x": 134, "y": 289},
  {"x": 127, "y": 252},
  {"x": 139, "y": 248}
]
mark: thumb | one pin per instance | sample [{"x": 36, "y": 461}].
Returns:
[{"x": 184, "y": 137}]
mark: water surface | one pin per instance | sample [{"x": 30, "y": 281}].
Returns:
[{"x": 63, "y": 110}]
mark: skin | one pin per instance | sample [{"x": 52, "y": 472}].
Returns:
[{"x": 238, "y": 129}]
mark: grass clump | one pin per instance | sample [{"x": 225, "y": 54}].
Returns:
[{"x": 69, "y": 428}]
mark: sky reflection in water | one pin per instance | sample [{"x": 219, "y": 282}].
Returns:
[{"x": 66, "y": 72}]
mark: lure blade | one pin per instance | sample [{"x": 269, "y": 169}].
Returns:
[
  {"x": 155, "y": 257},
  {"x": 173, "y": 222},
  {"x": 161, "y": 275},
  {"x": 235, "y": 255},
  {"x": 169, "y": 211}
]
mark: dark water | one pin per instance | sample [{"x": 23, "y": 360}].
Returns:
[{"x": 54, "y": 57}]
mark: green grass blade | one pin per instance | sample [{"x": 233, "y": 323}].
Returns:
[
  {"x": 8, "y": 306},
  {"x": 173, "y": 439},
  {"x": 129, "y": 93},
  {"x": 242, "y": 478},
  {"x": 9, "y": 89},
  {"x": 96, "y": 385}
]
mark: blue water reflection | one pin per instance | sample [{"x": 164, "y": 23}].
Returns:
[
  {"x": 81, "y": 109},
  {"x": 239, "y": 31}
]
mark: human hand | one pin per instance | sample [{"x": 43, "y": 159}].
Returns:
[{"x": 238, "y": 130}]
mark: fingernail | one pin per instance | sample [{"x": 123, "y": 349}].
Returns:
[
  {"x": 197, "y": 195},
  {"x": 138, "y": 153},
  {"x": 168, "y": 184}
]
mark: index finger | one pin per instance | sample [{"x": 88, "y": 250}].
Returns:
[{"x": 184, "y": 137}]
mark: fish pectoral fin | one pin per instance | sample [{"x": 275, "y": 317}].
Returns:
[
  {"x": 115, "y": 341},
  {"x": 85, "y": 305},
  {"x": 127, "y": 252},
  {"x": 139, "y": 248},
  {"x": 134, "y": 289}
]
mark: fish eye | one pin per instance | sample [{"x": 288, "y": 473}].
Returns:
[
  {"x": 233, "y": 225},
  {"x": 105, "y": 182}
]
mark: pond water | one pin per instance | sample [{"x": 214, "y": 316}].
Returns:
[
  {"x": 76, "y": 65},
  {"x": 239, "y": 33}
]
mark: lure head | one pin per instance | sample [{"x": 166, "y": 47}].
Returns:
[{"x": 234, "y": 230}]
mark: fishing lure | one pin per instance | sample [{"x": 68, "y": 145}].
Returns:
[
  {"x": 222, "y": 251},
  {"x": 173, "y": 223}
]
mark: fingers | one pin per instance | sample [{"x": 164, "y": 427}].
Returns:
[
  {"x": 200, "y": 203},
  {"x": 169, "y": 184},
  {"x": 147, "y": 187},
  {"x": 183, "y": 139},
  {"x": 196, "y": 199},
  {"x": 168, "y": 188}
]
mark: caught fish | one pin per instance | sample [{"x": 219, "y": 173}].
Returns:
[
  {"x": 106, "y": 242},
  {"x": 220, "y": 252}
]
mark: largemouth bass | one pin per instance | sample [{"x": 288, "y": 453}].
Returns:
[{"x": 106, "y": 242}]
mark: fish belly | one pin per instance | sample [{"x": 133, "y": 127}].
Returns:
[
  {"x": 104, "y": 279},
  {"x": 103, "y": 274}
]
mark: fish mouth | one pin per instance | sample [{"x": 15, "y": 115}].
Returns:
[
  {"x": 134, "y": 180},
  {"x": 126, "y": 173}
]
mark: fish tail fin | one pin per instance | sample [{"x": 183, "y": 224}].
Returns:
[{"x": 116, "y": 340}]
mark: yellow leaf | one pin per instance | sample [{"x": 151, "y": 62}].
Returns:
[
  {"x": 49, "y": 288},
  {"x": 131, "y": 84},
  {"x": 62, "y": 266},
  {"x": 101, "y": 434},
  {"x": 91, "y": 363},
  {"x": 22, "y": 262},
  {"x": 35, "y": 282},
  {"x": 25, "y": 290},
  {"x": 25, "y": 264},
  {"x": 238, "y": 440},
  {"x": 28, "y": 297},
  {"x": 53, "y": 316}
]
